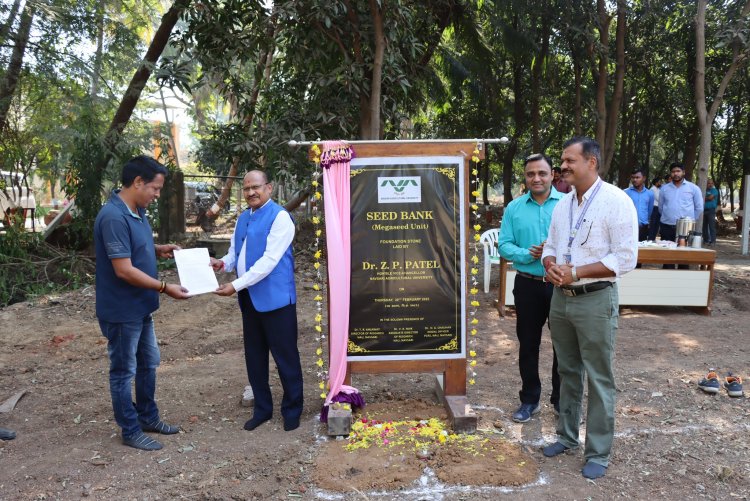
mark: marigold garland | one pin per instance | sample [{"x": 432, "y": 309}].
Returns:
[
  {"x": 474, "y": 271},
  {"x": 420, "y": 435},
  {"x": 318, "y": 284}
]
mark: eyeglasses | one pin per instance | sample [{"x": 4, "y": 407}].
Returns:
[{"x": 254, "y": 187}]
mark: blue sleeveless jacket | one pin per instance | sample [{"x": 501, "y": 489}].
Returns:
[{"x": 277, "y": 289}]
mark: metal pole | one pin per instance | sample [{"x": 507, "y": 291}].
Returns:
[
  {"x": 745, "y": 218},
  {"x": 502, "y": 140},
  {"x": 212, "y": 176}
]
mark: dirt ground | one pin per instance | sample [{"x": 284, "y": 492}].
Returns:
[{"x": 673, "y": 441}]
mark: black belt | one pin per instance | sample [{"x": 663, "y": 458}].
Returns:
[
  {"x": 578, "y": 290},
  {"x": 529, "y": 275}
]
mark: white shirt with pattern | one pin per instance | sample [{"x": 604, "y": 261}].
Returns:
[{"x": 608, "y": 232}]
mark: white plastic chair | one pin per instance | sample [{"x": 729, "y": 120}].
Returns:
[{"x": 491, "y": 254}]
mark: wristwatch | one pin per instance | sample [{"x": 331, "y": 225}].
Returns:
[{"x": 574, "y": 274}]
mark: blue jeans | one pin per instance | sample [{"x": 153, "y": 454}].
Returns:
[{"x": 133, "y": 352}]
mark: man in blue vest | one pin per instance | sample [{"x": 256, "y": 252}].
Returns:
[{"x": 261, "y": 253}]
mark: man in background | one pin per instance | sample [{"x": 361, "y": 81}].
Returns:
[
  {"x": 678, "y": 199},
  {"x": 522, "y": 235},
  {"x": 558, "y": 182},
  {"x": 643, "y": 199},
  {"x": 709, "y": 212},
  {"x": 653, "y": 222}
]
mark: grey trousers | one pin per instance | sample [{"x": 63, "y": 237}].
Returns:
[{"x": 583, "y": 334}]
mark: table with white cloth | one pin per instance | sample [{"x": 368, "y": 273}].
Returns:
[{"x": 649, "y": 286}]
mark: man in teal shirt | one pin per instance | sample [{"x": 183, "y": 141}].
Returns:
[
  {"x": 709, "y": 212},
  {"x": 522, "y": 235}
]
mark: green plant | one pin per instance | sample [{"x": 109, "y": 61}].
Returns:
[{"x": 30, "y": 267}]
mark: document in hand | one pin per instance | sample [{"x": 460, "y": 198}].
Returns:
[{"x": 194, "y": 268}]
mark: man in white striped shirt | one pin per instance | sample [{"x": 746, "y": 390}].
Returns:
[{"x": 593, "y": 240}]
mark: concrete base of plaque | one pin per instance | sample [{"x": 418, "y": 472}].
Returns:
[
  {"x": 339, "y": 422},
  {"x": 462, "y": 416}
]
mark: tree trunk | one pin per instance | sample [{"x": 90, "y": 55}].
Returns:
[
  {"x": 725, "y": 167},
  {"x": 536, "y": 77},
  {"x": 443, "y": 19},
  {"x": 691, "y": 150},
  {"x": 510, "y": 153},
  {"x": 623, "y": 170},
  {"x": 704, "y": 125},
  {"x": 601, "y": 83},
  {"x": 99, "y": 48},
  {"x": 377, "y": 70},
  {"x": 485, "y": 171},
  {"x": 745, "y": 155},
  {"x": 706, "y": 116},
  {"x": 5, "y": 29},
  {"x": 614, "y": 105},
  {"x": 577, "y": 105},
  {"x": 8, "y": 86},
  {"x": 138, "y": 82},
  {"x": 172, "y": 141}
]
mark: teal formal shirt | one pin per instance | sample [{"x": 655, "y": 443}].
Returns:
[{"x": 526, "y": 223}]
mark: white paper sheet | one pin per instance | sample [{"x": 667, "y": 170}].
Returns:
[{"x": 194, "y": 268}]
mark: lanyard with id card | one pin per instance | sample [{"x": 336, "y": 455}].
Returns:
[{"x": 572, "y": 232}]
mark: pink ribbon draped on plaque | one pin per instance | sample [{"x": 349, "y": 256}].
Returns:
[{"x": 335, "y": 159}]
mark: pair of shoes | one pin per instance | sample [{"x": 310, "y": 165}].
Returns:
[
  {"x": 160, "y": 426},
  {"x": 291, "y": 424},
  {"x": 710, "y": 383},
  {"x": 255, "y": 422},
  {"x": 593, "y": 470},
  {"x": 554, "y": 450},
  {"x": 247, "y": 397},
  {"x": 733, "y": 385},
  {"x": 143, "y": 442},
  {"x": 6, "y": 434},
  {"x": 524, "y": 412}
]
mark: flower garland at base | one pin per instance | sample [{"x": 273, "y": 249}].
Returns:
[{"x": 422, "y": 437}]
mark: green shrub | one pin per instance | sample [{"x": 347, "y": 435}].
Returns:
[{"x": 30, "y": 267}]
